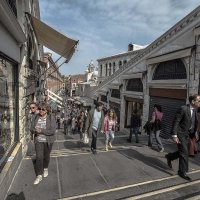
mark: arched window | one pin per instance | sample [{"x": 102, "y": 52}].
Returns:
[
  {"x": 109, "y": 69},
  {"x": 106, "y": 73},
  {"x": 120, "y": 63},
  {"x": 125, "y": 61},
  {"x": 134, "y": 84},
  {"x": 113, "y": 67},
  {"x": 173, "y": 69},
  {"x": 100, "y": 70}
]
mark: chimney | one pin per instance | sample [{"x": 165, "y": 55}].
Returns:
[{"x": 130, "y": 47}]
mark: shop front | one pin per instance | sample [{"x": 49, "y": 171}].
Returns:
[
  {"x": 9, "y": 134},
  {"x": 168, "y": 88},
  {"x": 132, "y": 106},
  {"x": 170, "y": 100}
]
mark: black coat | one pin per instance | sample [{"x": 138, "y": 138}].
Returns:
[
  {"x": 182, "y": 122},
  {"x": 135, "y": 121}
]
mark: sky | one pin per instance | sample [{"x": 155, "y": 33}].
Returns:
[{"x": 106, "y": 27}]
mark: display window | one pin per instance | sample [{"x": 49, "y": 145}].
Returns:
[{"x": 7, "y": 107}]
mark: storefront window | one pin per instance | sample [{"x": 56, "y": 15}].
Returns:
[
  {"x": 131, "y": 107},
  {"x": 7, "y": 108}
]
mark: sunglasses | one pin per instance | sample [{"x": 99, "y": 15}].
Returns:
[
  {"x": 43, "y": 109},
  {"x": 32, "y": 107}
]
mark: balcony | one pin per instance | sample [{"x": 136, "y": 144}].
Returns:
[{"x": 12, "y": 5}]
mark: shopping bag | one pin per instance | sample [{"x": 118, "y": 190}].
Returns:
[
  {"x": 31, "y": 148},
  {"x": 85, "y": 138}
]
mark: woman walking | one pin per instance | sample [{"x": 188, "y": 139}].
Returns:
[
  {"x": 43, "y": 128},
  {"x": 156, "y": 121},
  {"x": 110, "y": 123}
]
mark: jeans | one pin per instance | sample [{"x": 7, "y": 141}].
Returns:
[
  {"x": 94, "y": 139},
  {"x": 158, "y": 140},
  {"x": 109, "y": 137},
  {"x": 134, "y": 130},
  {"x": 43, "y": 150},
  {"x": 65, "y": 128}
]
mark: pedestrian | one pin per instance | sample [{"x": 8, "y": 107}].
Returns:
[
  {"x": 32, "y": 114},
  {"x": 94, "y": 124},
  {"x": 81, "y": 123},
  {"x": 198, "y": 129},
  {"x": 43, "y": 127},
  {"x": 135, "y": 126},
  {"x": 185, "y": 123},
  {"x": 33, "y": 110},
  {"x": 58, "y": 118},
  {"x": 156, "y": 121},
  {"x": 74, "y": 125},
  {"x": 110, "y": 124}
]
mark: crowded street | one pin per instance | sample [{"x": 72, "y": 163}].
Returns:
[
  {"x": 99, "y": 100},
  {"x": 128, "y": 171}
]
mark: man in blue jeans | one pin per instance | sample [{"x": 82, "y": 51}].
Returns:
[{"x": 94, "y": 124}]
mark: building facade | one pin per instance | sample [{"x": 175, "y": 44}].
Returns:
[
  {"x": 22, "y": 77},
  {"x": 20, "y": 57},
  {"x": 73, "y": 82},
  {"x": 54, "y": 80},
  {"x": 166, "y": 72},
  {"x": 109, "y": 65}
]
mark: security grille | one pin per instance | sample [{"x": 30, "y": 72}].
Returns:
[
  {"x": 173, "y": 69},
  {"x": 115, "y": 93},
  {"x": 135, "y": 85},
  {"x": 169, "y": 108}
]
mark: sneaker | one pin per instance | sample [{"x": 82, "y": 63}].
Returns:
[
  {"x": 162, "y": 150},
  {"x": 106, "y": 148},
  {"x": 110, "y": 145},
  {"x": 45, "y": 173},
  {"x": 38, "y": 179}
]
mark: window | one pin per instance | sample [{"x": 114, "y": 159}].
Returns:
[
  {"x": 109, "y": 69},
  {"x": 125, "y": 61},
  {"x": 113, "y": 67},
  {"x": 135, "y": 85},
  {"x": 100, "y": 70},
  {"x": 8, "y": 125},
  {"x": 174, "y": 69},
  {"x": 120, "y": 63},
  {"x": 103, "y": 98},
  {"x": 115, "y": 93}
]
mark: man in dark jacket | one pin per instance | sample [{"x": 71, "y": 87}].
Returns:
[
  {"x": 135, "y": 125},
  {"x": 185, "y": 123}
]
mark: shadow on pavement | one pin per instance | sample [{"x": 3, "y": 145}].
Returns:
[
  {"x": 14, "y": 196},
  {"x": 147, "y": 160}
]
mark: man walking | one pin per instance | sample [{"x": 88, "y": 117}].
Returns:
[
  {"x": 185, "y": 123},
  {"x": 94, "y": 124}
]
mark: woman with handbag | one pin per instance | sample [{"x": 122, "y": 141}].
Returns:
[
  {"x": 110, "y": 125},
  {"x": 156, "y": 120}
]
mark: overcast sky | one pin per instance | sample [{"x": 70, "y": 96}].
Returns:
[{"x": 106, "y": 27}]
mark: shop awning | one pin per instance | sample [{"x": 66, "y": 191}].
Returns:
[{"x": 52, "y": 39}]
